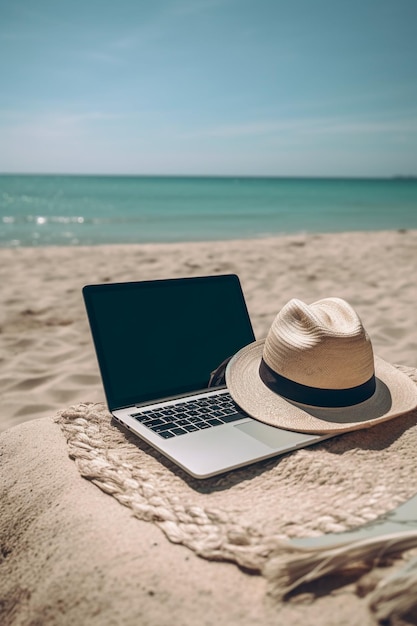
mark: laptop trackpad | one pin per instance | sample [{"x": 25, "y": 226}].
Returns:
[{"x": 275, "y": 438}]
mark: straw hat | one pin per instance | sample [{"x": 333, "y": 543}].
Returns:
[{"x": 316, "y": 373}]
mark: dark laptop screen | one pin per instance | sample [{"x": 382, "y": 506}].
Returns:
[{"x": 156, "y": 339}]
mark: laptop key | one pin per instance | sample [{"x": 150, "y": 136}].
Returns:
[
  {"x": 143, "y": 418},
  {"x": 214, "y": 422},
  {"x": 182, "y": 422},
  {"x": 162, "y": 427},
  {"x": 154, "y": 422},
  {"x": 232, "y": 418},
  {"x": 166, "y": 434},
  {"x": 195, "y": 419},
  {"x": 178, "y": 431},
  {"x": 191, "y": 428}
]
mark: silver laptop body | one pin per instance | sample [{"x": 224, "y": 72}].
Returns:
[{"x": 157, "y": 343}]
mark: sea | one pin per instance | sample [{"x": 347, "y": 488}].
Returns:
[{"x": 70, "y": 210}]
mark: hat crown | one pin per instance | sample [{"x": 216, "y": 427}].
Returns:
[{"x": 321, "y": 345}]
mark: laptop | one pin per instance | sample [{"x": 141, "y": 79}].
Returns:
[{"x": 157, "y": 343}]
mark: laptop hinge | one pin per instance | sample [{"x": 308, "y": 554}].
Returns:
[{"x": 195, "y": 392}]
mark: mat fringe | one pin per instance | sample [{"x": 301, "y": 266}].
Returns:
[
  {"x": 396, "y": 596},
  {"x": 289, "y": 570}
]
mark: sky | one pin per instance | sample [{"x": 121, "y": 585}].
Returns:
[{"x": 209, "y": 87}]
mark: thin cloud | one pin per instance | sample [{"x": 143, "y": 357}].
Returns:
[
  {"x": 369, "y": 127},
  {"x": 51, "y": 125},
  {"x": 311, "y": 126}
]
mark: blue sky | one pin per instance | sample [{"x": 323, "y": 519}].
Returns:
[{"x": 228, "y": 87}]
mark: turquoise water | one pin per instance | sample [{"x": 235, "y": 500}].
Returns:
[{"x": 88, "y": 210}]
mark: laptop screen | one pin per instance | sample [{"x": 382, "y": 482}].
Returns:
[{"x": 156, "y": 339}]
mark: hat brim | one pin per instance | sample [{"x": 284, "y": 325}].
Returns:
[{"x": 395, "y": 395}]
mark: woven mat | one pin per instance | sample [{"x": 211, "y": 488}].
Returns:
[{"x": 244, "y": 515}]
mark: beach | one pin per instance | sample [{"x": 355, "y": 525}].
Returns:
[
  {"x": 47, "y": 357},
  {"x": 71, "y": 553}
]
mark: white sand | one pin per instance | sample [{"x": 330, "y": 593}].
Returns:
[
  {"x": 73, "y": 555},
  {"x": 70, "y": 554},
  {"x": 46, "y": 356}
]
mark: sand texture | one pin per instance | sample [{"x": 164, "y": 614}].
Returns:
[
  {"x": 123, "y": 546},
  {"x": 74, "y": 555},
  {"x": 104, "y": 551},
  {"x": 46, "y": 356}
]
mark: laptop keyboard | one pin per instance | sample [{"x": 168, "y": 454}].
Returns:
[{"x": 190, "y": 415}]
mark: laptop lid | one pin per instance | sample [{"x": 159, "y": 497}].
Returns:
[{"x": 162, "y": 338}]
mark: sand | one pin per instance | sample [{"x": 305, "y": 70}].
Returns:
[
  {"x": 46, "y": 356},
  {"x": 72, "y": 554}
]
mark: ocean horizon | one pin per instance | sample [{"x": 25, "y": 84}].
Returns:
[{"x": 73, "y": 210}]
